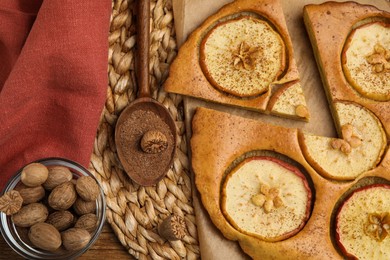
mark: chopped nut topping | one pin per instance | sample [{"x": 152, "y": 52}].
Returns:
[
  {"x": 258, "y": 200},
  {"x": 268, "y": 198},
  {"x": 245, "y": 56},
  {"x": 347, "y": 131},
  {"x": 350, "y": 140},
  {"x": 378, "y": 225},
  {"x": 379, "y": 59},
  {"x": 355, "y": 141},
  {"x": 345, "y": 148},
  {"x": 336, "y": 143},
  {"x": 11, "y": 202},
  {"x": 302, "y": 111}
]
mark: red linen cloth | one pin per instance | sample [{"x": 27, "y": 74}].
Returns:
[{"x": 53, "y": 79}]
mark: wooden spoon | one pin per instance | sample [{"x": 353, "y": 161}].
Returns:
[{"x": 144, "y": 167}]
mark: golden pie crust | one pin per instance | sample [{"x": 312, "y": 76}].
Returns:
[
  {"x": 329, "y": 47},
  {"x": 214, "y": 132},
  {"x": 348, "y": 62},
  {"x": 220, "y": 139},
  {"x": 240, "y": 68}
]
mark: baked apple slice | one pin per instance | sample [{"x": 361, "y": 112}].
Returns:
[
  {"x": 360, "y": 147},
  {"x": 289, "y": 100},
  {"x": 243, "y": 56},
  {"x": 266, "y": 198},
  {"x": 366, "y": 60},
  {"x": 363, "y": 223}
]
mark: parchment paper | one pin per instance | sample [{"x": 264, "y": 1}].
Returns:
[{"x": 189, "y": 14}]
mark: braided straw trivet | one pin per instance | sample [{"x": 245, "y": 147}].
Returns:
[{"x": 134, "y": 211}]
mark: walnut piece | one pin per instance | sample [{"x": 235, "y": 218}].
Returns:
[
  {"x": 245, "y": 56},
  {"x": 379, "y": 59},
  {"x": 154, "y": 142},
  {"x": 378, "y": 225},
  {"x": 349, "y": 141},
  {"x": 268, "y": 198},
  {"x": 172, "y": 228},
  {"x": 11, "y": 202}
]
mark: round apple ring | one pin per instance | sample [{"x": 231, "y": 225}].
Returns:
[
  {"x": 266, "y": 198},
  {"x": 363, "y": 223},
  {"x": 242, "y": 56},
  {"x": 366, "y": 60}
]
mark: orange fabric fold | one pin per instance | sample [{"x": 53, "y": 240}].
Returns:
[{"x": 53, "y": 79}]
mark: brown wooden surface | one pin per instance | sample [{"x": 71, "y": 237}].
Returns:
[{"x": 106, "y": 247}]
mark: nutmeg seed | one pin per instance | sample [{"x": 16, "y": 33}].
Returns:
[
  {"x": 154, "y": 142},
  {"x": 53, "y": 189},
  {"x": 45, "y": 236},
  {"x": 11, "y": 202},
  {"x": 75, "y": 238},
  {"x": 82, "y": 207},
  {"x": 63, "y": 196},
  {"x": 87, "y": 188},
  {"x": 87, "y": 222},
  {"x": 57, "y": 175},
  {"x": 30, "y": 214},
  {"x": 172, "y": 228},
  {"x": 30, "y": 194},
  {"x": 61, "y": 220},
  {"x": 34, "y": 174}
]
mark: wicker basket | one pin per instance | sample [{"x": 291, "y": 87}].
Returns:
[{"x": 134, "y": 211}]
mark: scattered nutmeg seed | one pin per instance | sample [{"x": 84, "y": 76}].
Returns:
[
  {"x": 87, "y": 188},
  {"x": 154, "y": 142},
  {"x": 172, "y": 228},
  {"x": 11, "y": 202},
  {"x": 34, "y": 174}
]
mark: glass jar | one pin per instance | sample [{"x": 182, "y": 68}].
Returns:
[{"x": 13, "y": 235}]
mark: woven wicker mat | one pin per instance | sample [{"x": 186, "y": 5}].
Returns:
[{"x": 133, "y": 211}]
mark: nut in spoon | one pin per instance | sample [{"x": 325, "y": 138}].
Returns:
[{"x": 145, "y": 133}]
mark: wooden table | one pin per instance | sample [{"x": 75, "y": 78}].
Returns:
[{"x": 106, "y": 247}]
